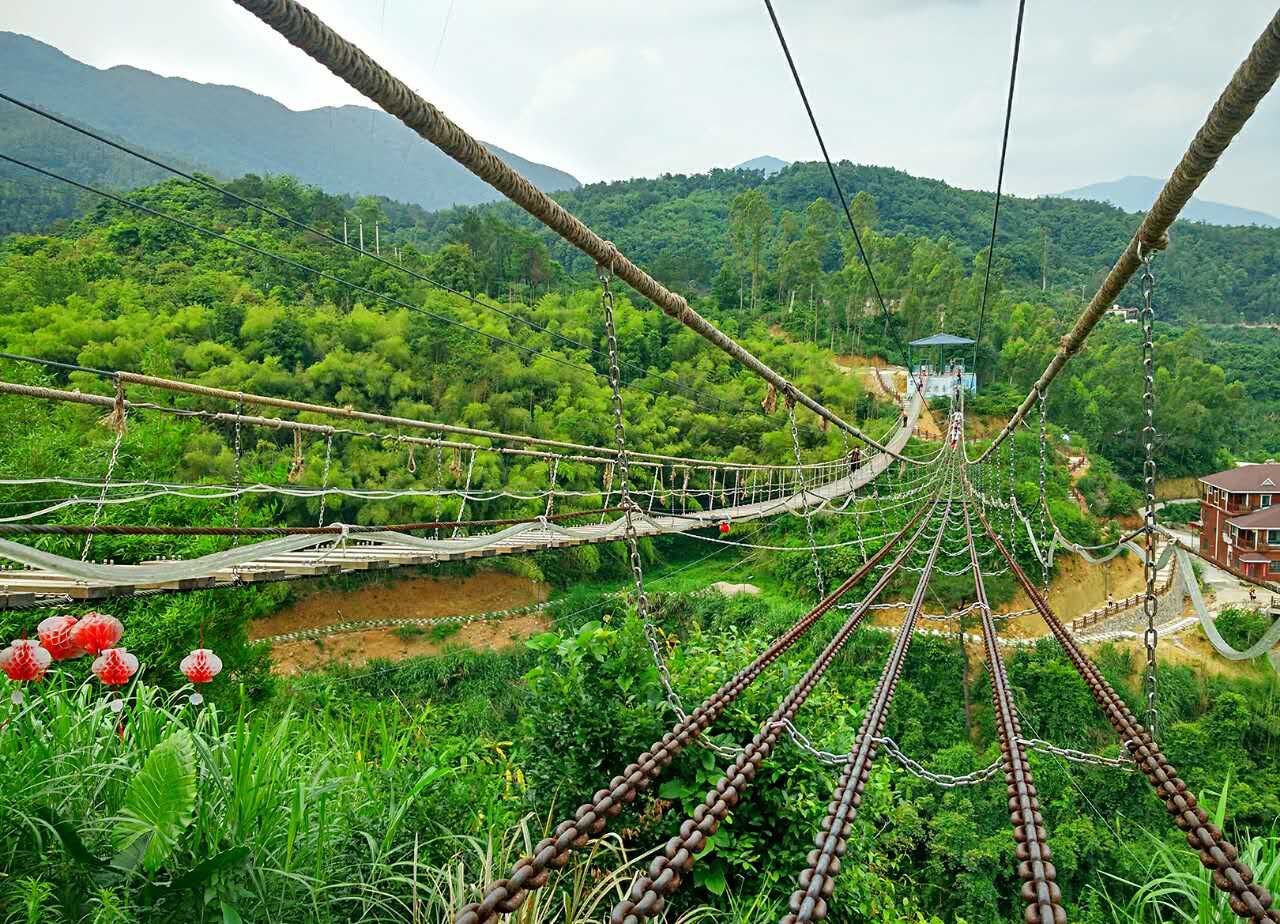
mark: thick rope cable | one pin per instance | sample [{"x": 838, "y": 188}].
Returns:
[
  {"x": 303, "y": 29},
  {"x": 692, "y": 393},
  {"x": 1249, "y": 84}
]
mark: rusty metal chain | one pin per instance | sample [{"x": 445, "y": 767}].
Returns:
[
  {"x": 1246, "y": 898},
  {"x": 505, "y": 896},
  {"x": 817, "y": 881},
  {"x": 1040, "y": 890},
  {"x": 1150, "y": 637},
  {"x": 648, "y": 893}
]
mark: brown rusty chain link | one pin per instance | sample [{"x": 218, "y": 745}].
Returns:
[
  {"x": 1230, "y": 874},
  {"x": 505, "y": 896},
  {"x": 1149, "y": 604},
  {"x": 817, "y": 880},
  {"x": 1040, "y": 889},
  {"x": 648, "y": 893}
]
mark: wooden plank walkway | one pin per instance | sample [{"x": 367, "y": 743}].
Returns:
[{"x": 47, "y": 579}]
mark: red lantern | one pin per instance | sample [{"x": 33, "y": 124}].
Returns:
[
  {"x": 24, "y": 660},
  {"x": 57, "y": 637},
  {"x": 724, "y": 528},
  {"x": 201, "y": 666},
  {"x": 115, "y": 666},
  {"x": 97, "y": 632}
]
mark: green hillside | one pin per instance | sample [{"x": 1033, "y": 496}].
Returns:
[{"x": 676, "y": 226}]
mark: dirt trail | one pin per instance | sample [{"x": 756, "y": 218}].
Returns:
[
  {"x": 411, "y": 598},
  {"x": 1076, "y": 589},
  {"x": 358, "y": 648}
]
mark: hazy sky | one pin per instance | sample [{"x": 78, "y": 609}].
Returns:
[{"x": 624, "y": 89}]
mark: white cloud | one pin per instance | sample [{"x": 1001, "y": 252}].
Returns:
[{"x": 636, "y": 89}]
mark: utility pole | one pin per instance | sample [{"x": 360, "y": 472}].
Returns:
[
  {"x": 361, "y": 220},
  {"x": 813, "y": 308},
  {"x": 1044, "y": 259},
  {"x": 377, "y": 240},
  {"x": 344, "y": 229}
]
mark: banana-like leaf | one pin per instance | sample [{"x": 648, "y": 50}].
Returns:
[{"x": 159, "y": 803}]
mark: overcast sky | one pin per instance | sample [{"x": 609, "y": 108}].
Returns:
[{"x": 623, "y": 89}]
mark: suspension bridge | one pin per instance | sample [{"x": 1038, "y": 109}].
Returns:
[{"x": 960, "y": 508}]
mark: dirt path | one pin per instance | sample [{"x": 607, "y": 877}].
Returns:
[
  {"x": 410, "y": 598},
  {"x": 1076, "y": 589},
  {"x": 358, "y": 648}
]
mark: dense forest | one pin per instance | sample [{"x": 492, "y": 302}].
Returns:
[
  {"x": 373, "y": 794},
  {"x": 675, "y": 226}
]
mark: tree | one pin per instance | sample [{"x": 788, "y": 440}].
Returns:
[{"x": 749, "y": 214}]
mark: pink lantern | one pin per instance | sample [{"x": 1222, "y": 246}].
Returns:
[
  {"x": 724, "y": 528},
  {"x": 97, "y": 632},
  {"x": 115, "y": 666},
  {"x": 57, "y": 637},
  {"x": 201, "y": 666},
  {"x": 24, "y": 660}
]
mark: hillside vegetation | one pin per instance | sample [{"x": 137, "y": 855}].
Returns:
[
  {"x": 384, "y": 794},
  {"x": 675, "y": 226}
]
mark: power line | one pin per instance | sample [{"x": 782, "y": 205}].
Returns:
[
  {"x": 995, "y": 213},
  {"x": 323, "y": 274},
  {"x": 303, "y": 226},
  {"x": 835, "y": 180},
  {"x": 345, "y": 60}
]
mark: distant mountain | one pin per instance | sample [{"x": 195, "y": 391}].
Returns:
[
  {"x": 232, "y": 131},
  {"x": 770, "y": 165},
  {"x": 1136, "y": 193}
]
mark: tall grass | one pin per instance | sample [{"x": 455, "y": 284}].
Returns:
[
  {"x": 1179, "y": 890},
  {"x": 325, "y": 811}
]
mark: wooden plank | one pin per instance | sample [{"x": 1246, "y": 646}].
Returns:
[
  {"x": 10, "y": 600},
  {"x": 54, "y": 584}
]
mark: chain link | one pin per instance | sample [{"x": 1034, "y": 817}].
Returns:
[
  {"x": 1149, "y": 605},
  {"x": 551, "y": 491},
  {"x": 1044, "y": 526},
  {"x": 235, "y": 509},
  {"x": 1082, "y": 757},
  {"x": 804, "y": 495},
  {"x": 324, "y": 478},
  {"x": 118, "y": 421},
  {"x": 623, "y": 473},
  {"x": 949, "y": 781}
]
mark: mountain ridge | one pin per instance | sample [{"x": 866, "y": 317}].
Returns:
[
  {"x": 1136, "y": 193},
  {"x": 233, "y": 130}
]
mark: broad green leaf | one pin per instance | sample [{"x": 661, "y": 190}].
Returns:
[{"x": 160, "y": 801}]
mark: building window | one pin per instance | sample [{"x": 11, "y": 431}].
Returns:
[
  {"x": 1273, "y": 537},
  {"x": 1273, "y": 566},
  {"x": 1266, "y": 500}
]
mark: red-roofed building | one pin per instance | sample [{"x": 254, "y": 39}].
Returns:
[{"x": 1240, "y": 519}]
